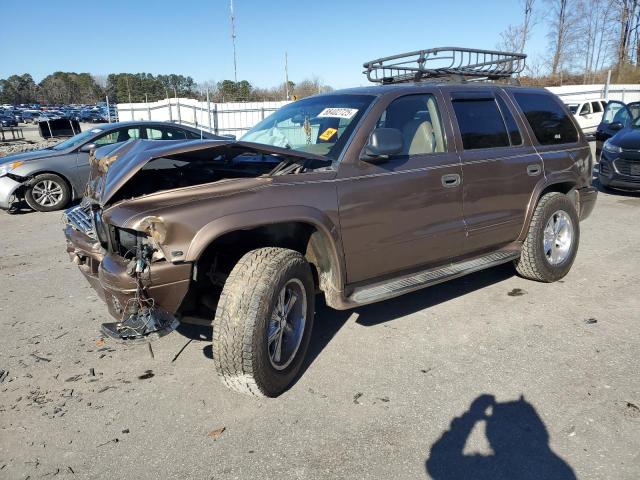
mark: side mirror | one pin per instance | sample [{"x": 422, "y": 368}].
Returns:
[
  {"x": 382, "y": 143},
  {"x": 616, "y": 126},
  {"x": 87, "y": 147}
]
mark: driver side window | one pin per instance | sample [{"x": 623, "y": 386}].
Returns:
[
  {"x": 418, "y": 119},
  {"x": 120, "y": 135}
]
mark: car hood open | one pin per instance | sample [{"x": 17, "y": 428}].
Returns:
[{"x": 111, "y": 169}]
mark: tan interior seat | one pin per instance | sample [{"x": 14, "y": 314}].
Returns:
[{"x": 419, "y": 137}]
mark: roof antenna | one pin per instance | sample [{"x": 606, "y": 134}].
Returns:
[{"x": 233, "y": 39}]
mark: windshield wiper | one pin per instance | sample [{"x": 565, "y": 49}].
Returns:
[{"x": 291, "y": 164}]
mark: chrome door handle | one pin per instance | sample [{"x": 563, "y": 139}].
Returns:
[
  {"x": 534, "y": 170},
  {"x": 451, "y": 180}
]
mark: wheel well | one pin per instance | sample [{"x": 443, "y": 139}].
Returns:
[
  {"x": 221, "y": 255},
  {"x": 568, "y": 188}
]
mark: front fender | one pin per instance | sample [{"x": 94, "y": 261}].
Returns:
[{"x": 325, "y": 251}]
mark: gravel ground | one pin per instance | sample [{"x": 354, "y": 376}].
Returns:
[
  {"x": 32, "y": 140},
  {"x": 486, "y": 377}
]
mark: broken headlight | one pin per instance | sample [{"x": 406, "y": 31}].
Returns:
[{"x": 155, "y": 228}]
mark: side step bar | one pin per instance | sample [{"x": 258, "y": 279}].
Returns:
[{"x": 399, "y": 286}]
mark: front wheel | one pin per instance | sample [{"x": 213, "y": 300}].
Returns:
[
  {"x": 263, "y": 322},
  {"x": 48, "y": 192},
  {"x": 551, "y": 245}
]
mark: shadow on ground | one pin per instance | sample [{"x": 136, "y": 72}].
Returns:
[{"x": 516, "y": 435}]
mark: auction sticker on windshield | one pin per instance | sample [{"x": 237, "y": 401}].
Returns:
[{"x": 337, "y": 112}]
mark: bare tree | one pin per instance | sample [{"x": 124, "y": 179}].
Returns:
[
  {"x": 514, "y": 37},
  {"x": 563, "y": 19}
]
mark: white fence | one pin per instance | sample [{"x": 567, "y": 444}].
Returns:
[
  {"x": 237, "y": 118},
  {"x": 578, "y": 93},
  {"x": 219, "y": 118}
]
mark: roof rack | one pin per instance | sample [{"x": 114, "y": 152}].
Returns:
[{"x": 453, "y": 63}]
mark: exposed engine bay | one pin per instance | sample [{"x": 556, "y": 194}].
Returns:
[{"x": 211, "y": 165}]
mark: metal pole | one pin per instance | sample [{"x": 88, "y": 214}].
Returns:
[
  {"x": 146, "y": 98},
  {"x": 286, "y": 78},
  {"x": 175, "y": 94},
  {"x": 215, "y": 118},
  {"x": 108, "y": 110},
  {"x": 208, "y": 111},
  {"x": 166, "y": 92},
  {"x": 233, "y": 39},
  {"x": 606, "y": 86}
]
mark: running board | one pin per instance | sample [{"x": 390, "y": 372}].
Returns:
[{"x": 399, "y": 286}]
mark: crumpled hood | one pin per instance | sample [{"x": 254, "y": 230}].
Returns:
[
  {"x": 627, "y": 139},
  {"x": 26, "y": 156},
  {"x": 112, "y": 168}
]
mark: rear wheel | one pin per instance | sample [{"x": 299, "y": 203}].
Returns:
[
  {"x": 263, "y": 322},
  {"x": 48, "y": 192},
  {"x": 551, "y": 245}
]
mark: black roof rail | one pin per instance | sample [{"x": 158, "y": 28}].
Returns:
[{"x": 452, "y": 63}]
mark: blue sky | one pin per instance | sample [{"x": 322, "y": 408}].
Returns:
[{"x": 330, "y": 39}]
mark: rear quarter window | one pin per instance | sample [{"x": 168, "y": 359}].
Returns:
[{"x": 549, "y": 121}]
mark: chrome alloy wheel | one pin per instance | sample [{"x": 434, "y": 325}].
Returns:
[
  {"x": 47, "y": 193},
  {"x": 558, "y": 237},
  {"x": 287, "y": 323}
]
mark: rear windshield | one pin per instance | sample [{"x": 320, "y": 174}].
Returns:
[{"x": 549, "y": 121}]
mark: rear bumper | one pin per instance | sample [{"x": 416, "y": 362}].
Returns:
[
  {"x": 166, "y": 283},
  {"x": 587, "y": 201},
  {"x": 8, "y": 189}
]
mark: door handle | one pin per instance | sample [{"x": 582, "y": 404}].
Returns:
[
  {"x": 534, "y": 170},
  {"x": 451, "y": 180}
]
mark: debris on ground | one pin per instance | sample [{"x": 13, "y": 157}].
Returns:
[
  {"x": 146, "y": 375},
  {"x": 92, "y": 372},
  {"x": 3, "y": 375},
  {"x": 215, "y": 434},
  {"x": 591, "y": 321},
  {"x": 40, "y": 359},
  {"x": 632, "y": 410},
  {"x": 356, "y": 397},
  {"x": 516, "y": 292}
]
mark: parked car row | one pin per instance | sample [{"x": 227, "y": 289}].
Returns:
[
  {"x": 49, "y": 179},
  {"x": 98, "y": 113}
]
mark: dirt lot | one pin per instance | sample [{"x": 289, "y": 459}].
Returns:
[{"x": 383, "y": 384}]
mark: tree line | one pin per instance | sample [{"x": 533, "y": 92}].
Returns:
[
  {"x": 84, "y": 88},
  {"x": 586, "y": 39}
]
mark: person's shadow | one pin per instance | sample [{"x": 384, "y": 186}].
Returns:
[{"x": 517, "y": 436}]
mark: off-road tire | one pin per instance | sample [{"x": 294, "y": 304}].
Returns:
[
  {"x": 64, "y": 200},
  {"x": 533, "y": 263},
  {"x": 240, "y": 350}
]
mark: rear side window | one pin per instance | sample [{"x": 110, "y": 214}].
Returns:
[
  {"x": 481, "y": 124},
  {"x": 596, "y": 106},
  {"x": 550, "y": 123}
]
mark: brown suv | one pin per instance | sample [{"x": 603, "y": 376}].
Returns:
[{"x": 362, "y": 194}]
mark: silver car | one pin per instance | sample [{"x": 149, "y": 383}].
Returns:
[{"x": 51, "y": 178}]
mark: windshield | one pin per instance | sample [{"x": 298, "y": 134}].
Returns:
[
  {"x": 76, "y": 140},
  {"x": 320, "y": 125}
]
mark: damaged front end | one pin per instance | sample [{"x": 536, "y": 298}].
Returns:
[
  {"x": 124, "y": 247},
  {"x": 125, "y": 269}
]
